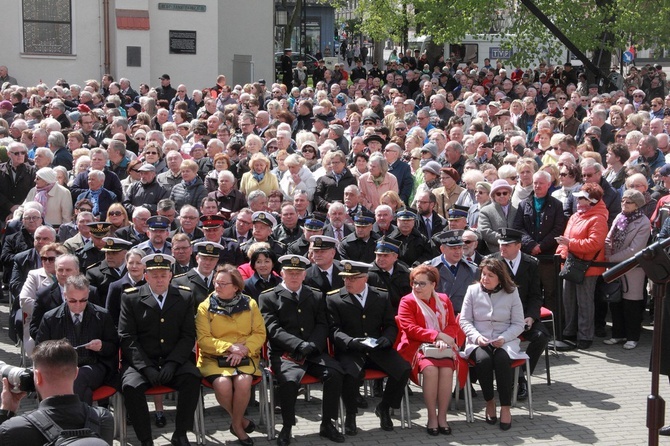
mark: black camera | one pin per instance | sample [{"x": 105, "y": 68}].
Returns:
[{"x": 20, "y": 379}]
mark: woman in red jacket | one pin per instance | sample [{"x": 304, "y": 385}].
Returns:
[
  {"x": 425, "y": 316},
  {"x": 584, "y": 237}
]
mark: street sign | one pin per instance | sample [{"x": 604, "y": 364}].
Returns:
[{"x": 627, "y": 57}]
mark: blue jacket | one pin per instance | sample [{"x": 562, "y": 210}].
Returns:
[{"x": 403, "y": 173}]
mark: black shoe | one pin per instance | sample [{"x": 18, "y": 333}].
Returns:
[
  {"x": 601, "y": 332},
  {"x": 160, "y": 419},
  {"x": 243, "y": 441},
  {"x": 328, "y": 431},
  {"x": 584, "y": 345},
  {"x": 572, "y": 339},
  {"x": 250, "y": 427},
  {"x": 181, "y": 440},
  {"x": 350, "y": 425},
  {"x": 445, "y": 430},
  {"x": 665, "y": 430},
  {"x": 491, "y": 420},
  {"x": 385, "y": 421},
  {"x": 522, "y": 394},
  {"x": 284, "y": 438},
  {"x": 361, "y": 402},
  {"x": 505, "y": 426},
  {"x": 433, "y": 431}
]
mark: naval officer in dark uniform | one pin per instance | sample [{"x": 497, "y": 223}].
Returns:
[
  {"x": 388, "y": 272},
  {"x": 263, "y": 222},
  {"x": 362, "y": 324},
  {"x": 200, "y": 280},
  {"x": 157, "y": 335},
  {"x": 297, "y": 328},
  {"x": 91, "y": 253},
  {"x": 324, "y": 273},
  {"x": 312, "y": 226},
  {"x": 212, "y": 227},
  {"x": 361, "y": 244},
  {"x": 415, "y": 247},
  {"x": 112, "y": 268}
]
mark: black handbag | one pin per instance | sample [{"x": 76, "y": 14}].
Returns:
[
  {"x": 611, "y": 292},
  {"x": 574, "y": 268}
]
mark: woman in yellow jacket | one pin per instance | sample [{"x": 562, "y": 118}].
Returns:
[
  {"x": 259, "y": 177},
  {"x": 231, "y": 332}
]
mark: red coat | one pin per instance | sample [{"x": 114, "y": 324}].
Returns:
[
  {"x": 587, "y": 232},
  {"x": 412, "y": 331}
]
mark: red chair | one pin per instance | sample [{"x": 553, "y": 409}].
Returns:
[{"x": 405, "y": 417}]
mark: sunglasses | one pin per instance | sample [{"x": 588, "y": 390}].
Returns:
[
  {"x": 468, "y": 242},
  {"x": 502, "y": 194},
  {"x": 134, "y": 170},
  {"x": 114, "y": 213},
  {"x": 48, "y": 259},
  {"x": 151, "y": 153},
  {"x": 564, "y": 174},
  {"x": 75, "y": 301},
  {"x": 85, "y": 210},
  {"x": 18, "y": 153}
]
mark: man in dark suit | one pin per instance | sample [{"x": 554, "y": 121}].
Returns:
[
  {"x": 362, "y": 324},
  {"x": 337, "y": 227},
  {"x": 48, "y": 298},
  {"x": 330, "y": 187},
  {"x": 297, "y": 328},
  {"x": 182, "y": 251},
  {"x": 361, "y": 244},
  {"x": 264, "y": 222},
  {"x": 383, "y": 220},
  {"x": 188, "y": 219},
  {"x": 136, "y": 232},
  {"x": 159, "y": 228},
  {"x": 456, "y": 274},
  {"x": 525, "y": 272},
  {"x": 352, "y": 203},
  {"x": 414, "y": 247},
  {"x": 134, "y": 277},
  {"x": 90, "y": 329},
  {"x": 200, "y": 280},
  {"x": 112, "y": 268},
  {"x": 157, "y": 333},
  {"x": 388, "y": 273},
  {"x": 29, "y": 259},
  {"x": 323, "y": 274},
  {"x": 430, "y": 222},
  {"x": 19, "y": 241}
]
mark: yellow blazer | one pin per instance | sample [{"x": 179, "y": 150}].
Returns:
[{"x": 217, "y": 333}]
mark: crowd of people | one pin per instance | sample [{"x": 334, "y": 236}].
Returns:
[{"x": 396, "y": 220}]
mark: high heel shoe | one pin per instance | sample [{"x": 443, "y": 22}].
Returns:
[
  {"x": 491, "y": 420},
  {"x": 433, "y": 431},
  {"x": 506, "y": 426},
  {"x": 445, "y": 430}
]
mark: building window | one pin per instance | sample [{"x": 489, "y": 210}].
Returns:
[{"x": 47, "y": 26}]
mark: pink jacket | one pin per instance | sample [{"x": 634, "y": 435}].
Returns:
[{"x": 370, "y": 193}]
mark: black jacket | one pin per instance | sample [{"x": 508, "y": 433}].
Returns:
[
  {"x": 552, "y": 222},
  {"x": 328, "y": 189},
  {"x": 50, "y": 297},
  {"x": 14, "y": 188}
]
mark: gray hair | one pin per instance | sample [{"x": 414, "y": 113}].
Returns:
[
  {"x": 255, "y": 195},
  {"x": 135, "y": 252},
  {"x": 383, "y": 164},
  {"x": 49, "y": 229},
  {"x": 99, "y": 151},
  {"x": 294, "y": 159},
  {"x": 77, "y": 282},
  {"x": 337, "y": 206},
  {"x": 590, "y": 162},
  {"x": 97, "y": 174},
  {"x": 227, "y": 174},
  {"x": 123, "y": 122},
  {"x": 546, "y": 176},
  {"x": 383, "y": 207},
  {"x": 70, "y": 257},
  {"x": 56, "y": 139},
  {"x": 118, "y": 146}
]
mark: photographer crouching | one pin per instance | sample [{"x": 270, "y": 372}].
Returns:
[{"x": 54, "y": 372}]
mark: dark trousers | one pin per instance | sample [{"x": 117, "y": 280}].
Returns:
[
  {"x": 332, "y": 389},
  {"x": 489, "y": 360},
  {"x": 392, "y": 396},
  {"x": 600, "y": 311},
  {"x": 188, "y": 387},
  {"x": 627, "y": 319},
  {"x": 89, "y": 378},
  {"x": 537, "y": 338}
]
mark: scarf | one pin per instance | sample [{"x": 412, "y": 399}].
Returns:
[
  {"x": 435, "y": 320},
  {"x": 433, "y": 184},
  {"x": 95, "y": 199},
  {"x": 228, "y": 307},
  {"x": 42, "y": 195},
  {"x": 620, "y": 225},
  {"x": 493, "y": 291},
  {"x": 258, "y": 176},
  {"x": 538, "y": 203},
  {"x": 378, "y": 180}
]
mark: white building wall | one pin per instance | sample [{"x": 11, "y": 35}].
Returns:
[
  {"x": 85, "y": 63},
  {"x": 228, "y": 27}
]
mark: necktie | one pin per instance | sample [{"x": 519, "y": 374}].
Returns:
[
  {"x": 360, "y": 298},
  {"x": 160, "y": 299},
  {"x": 324, "y": 274},
  {"x": 429, "y": 228},
  {"x": 77, "y": 324},
  {"x": 294, "y": 295},
  {"x": 453, "y": 269},
  {"x": 338, "y": 234},
  {"x": 511, "y": 265}
]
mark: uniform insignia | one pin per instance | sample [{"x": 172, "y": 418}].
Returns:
[
  {"x": 295, "y": 261},
  {"x": 96, "y": 264},
  {"x": 209, "y": 248},
  {"x": 179, "y": 275},
  {"x": 333, "y": 291},
  {"x": 347, "y": 267},
  {"x": 110, "y": 242},
  {"x": 158, "y": 259},
  {"x": 183, "y": 287},
  {"x": 130, "y": 290}
]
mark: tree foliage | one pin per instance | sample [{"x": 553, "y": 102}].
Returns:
[{"x": 590, "y": 24}]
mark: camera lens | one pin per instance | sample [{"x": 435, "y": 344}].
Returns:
[{"x": 20, "y": 379}]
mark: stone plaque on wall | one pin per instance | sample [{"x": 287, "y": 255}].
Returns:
[{"x": 182, "y": 42}]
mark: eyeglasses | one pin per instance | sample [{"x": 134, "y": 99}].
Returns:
[
  {"x": 18, "y": 153},
  {"x": 468, "y": 242},
  {"x": 626, "y": 202},
  {"x": 482, "y": 192},
  {"x": 588, "y": 175},
  {"x": 564, "y": 174},
  {"x": 419, "y": 284},
  {"x": 415, "y": 158},
  {"x": 151, "y": 153},
  {"x": 84, "y": 210},
  {"x": 32, "y": 218},
  {"x": 400, "y": 129},
  {"x": 502, "y": 194},
  {"x": 619, "y": 136},
  {"x": 75, "y": 301},
  {"x": 180, "y": 248},
  {"x": 638, "y": 95},
  {"x": 114, "y": 213},
  {"x": 134, "y": 170},
  {"x": 49, "y": 259}
]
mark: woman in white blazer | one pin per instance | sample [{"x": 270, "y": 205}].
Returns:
[
  {"x": 298, "y": 177},
  {"x": 54, "y": 198},
  {"x": 492, "y": 319},
  {"x": 37, "y": 279}
]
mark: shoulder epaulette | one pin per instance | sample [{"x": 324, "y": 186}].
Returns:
[
  {"x": 132, "y": 289},
  {"x": 333, "y": 291},
  {"x": 179, "y": 275},
  {"x": 183, "y": 287},
  {"x": 269, "y": 290},
  {"x": 313, "y": 289},
  {"x": 379, "y": 289},
  {"x": 93, "y": 266},
  {"x": 228, "y": 239}
]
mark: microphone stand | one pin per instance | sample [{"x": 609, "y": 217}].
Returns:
[{"x": 655, "y": 262}]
